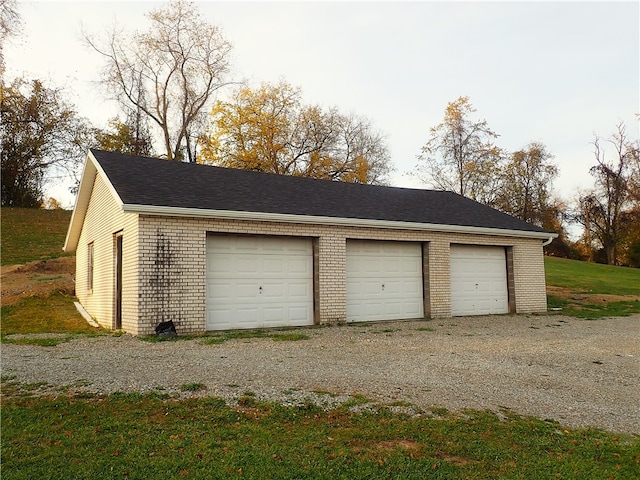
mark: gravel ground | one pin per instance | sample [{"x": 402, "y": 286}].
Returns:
[{"x": 577, "y": 372}]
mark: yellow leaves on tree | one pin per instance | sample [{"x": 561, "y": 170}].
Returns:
[
  {"x": 460, "y": 155},
  {"x": 269, "y": 129}
]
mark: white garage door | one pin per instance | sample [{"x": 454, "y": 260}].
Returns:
[
  {"x": 478, "y": 280},
  {"x": 384, "y": 281},
  {"x": 256, "y": 282}
]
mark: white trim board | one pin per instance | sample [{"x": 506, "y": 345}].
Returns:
[{"x": 332, "y": 221}]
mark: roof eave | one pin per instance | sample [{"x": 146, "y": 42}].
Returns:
[
  {"x": 333, "y": 221},
  {"x": 89, "y": 173}
]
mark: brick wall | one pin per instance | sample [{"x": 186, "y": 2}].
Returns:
[{"x": 172, "y": 260}]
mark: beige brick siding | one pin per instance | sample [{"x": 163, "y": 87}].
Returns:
[
  {"x": 172, "y": 261},
  {"x": 530, "y": 285},
  {"x": 332, "y": 278},
  {"x": 172, "y": 280},
  {"x": 104, "y": 218}
]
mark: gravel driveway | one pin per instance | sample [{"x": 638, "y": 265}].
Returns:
[{"x": 580, "y": 373}]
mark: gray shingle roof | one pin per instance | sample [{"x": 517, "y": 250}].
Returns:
[{"x": 155, "y": 182}]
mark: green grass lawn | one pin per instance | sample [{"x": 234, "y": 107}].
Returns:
[
  {"x": 146, "y": 436},
  {"x": 585, "y": 277},
  {"x": 53, "y": 314},
  {"x": 30, "y": 234}
]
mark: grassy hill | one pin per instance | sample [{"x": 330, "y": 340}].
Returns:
[
  {"x": 30, "y": 234},
  {"x": 585, "y": 277}
]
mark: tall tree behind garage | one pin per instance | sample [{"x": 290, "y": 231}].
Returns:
[
  {"x": 606, "y": 211},
  {"x": 170, "y": 72}
]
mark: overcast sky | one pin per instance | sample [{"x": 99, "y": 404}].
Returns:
[{"x": 554, "y": 72}]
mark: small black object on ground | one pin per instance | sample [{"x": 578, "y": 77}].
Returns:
[{"x": 166, "y": 329}]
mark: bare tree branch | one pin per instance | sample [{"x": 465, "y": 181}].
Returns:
[{"x": 170, "y": 72}]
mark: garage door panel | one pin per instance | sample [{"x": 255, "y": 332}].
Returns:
[
  {"x": 220, "y": 290},
  {"x": 273, "y": 314},
  {"x": 222, "y": 265},
  {"x": 384, "y": 280},
  {"x": 373, "y": 309},
  {"x": 394, "y": 288},
  {"x": 392, "y": 266},
  {"x": 299, "y": 290},
  {"x": 478, "y": 280},
  {"x": 222, "y": 316},
  {"x": 299, "y": 266},
  {"x": 255, "y": 282},
  {"x": 272, "y": 293},
  {"x": 355, "y": 311},
  {"x": 414, "y": 309},
  {"x": 412, "y": 267},
  {"x": 394, "y": 308},
  {"x": 298, "y": 315},
  {"x": 246, "y": 265},
  {"x": 273, "y": 266}
]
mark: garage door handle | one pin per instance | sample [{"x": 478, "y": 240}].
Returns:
[
  {"x": 260, "y": 290},
  {"x": 383, "y": 287}
]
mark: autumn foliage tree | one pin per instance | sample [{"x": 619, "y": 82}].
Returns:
[
  {"x": 526, "y": 182},
  {"x": 460, "y": 155},
  {"x": 270, "y": 129},
  {"x": 609, "y": 210},
  {"x": 40, "y": 133},
  {"x": 130, "y": 137},
  {"x": 170, "y": 72}
]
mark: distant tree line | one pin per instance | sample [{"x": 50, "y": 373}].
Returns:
[
  {"x": 177, "y": 100},
  {"x": 461, "y": 155}
]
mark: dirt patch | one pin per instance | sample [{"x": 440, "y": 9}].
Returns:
[
  {"x": 38, "y": 279},
  {"x": 590, "y": 298},
  {"x": 404, "y": 444}
]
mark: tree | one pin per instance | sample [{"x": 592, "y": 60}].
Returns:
[
  {"x": 9, "y": 23},
  {"x": 526, "y": 184},
  {"x": 170, "y": 72},
  {"x": 460, "y": 155},
  {"x": 130, "y": 137},
  {"x": 555, "y": 219},
  {"x": 40, "y": 132},
  {"x": 269, "y": 129},
  {"x": 605, "y": 210}
]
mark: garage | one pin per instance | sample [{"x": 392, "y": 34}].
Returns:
[
  {"x": 259, "y": 282},
  {"x": 478, "y": 280},
  {"x": 384, "y": 280}
]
